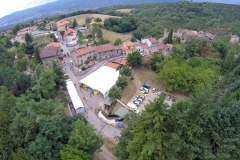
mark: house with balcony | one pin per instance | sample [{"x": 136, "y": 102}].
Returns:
[
  {"x": 51, "y": 25},
  {"x": 129, "y": 47},
  {"x": 62, "y": 25},
  {"x": 83, "y": 55}
]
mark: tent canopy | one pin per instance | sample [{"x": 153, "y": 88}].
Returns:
[
  {"x": 77, "y": 103},
  {"x": 102, "y": 79},
  {"x": 121, "y": 112}
]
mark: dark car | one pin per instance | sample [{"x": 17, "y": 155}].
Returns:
[
  {"x": 145, "y": 85},
  {"x": 168, "y": 97},
  {"x": 174, "y": 99}
]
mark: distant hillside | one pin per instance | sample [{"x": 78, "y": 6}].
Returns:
[
  {"x": 63, "y": 6},
  {"x": 217, "y": 17}
]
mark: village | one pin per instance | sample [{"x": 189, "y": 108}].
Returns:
[{"x": 92, "y": 71}]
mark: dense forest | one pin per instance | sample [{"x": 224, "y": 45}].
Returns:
[
  {"x": 204, "y": 127},
  {"x": 33, "y": 120},
  {"x": 221, "y": 19}
]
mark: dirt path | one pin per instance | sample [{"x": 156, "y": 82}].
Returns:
[{"x": 107, "y": 150}]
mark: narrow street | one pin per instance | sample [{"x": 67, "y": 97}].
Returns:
[{"x": 94, "y": 101}]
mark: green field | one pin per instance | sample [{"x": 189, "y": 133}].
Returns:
[
  {"x": 81, "y": 18},
  {"x": 110, "y": 35}
]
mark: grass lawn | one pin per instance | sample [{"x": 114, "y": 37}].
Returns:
[
  {"x": 125, "y": 10},
  {"x": 110, "y": 35},
  {"x": 81, "y": 18}
]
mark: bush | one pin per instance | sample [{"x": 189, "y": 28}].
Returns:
[
  {"x": 83, "y": 68},
  {"x": 132, "y": 78},
  {"x": 20, "y": 55}
]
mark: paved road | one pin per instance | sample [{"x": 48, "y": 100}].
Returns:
[{"x": 93, "y": 101}]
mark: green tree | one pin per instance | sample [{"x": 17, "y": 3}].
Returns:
[
  {"x": 16, "y": 43},
  {"x": 62, "y": 33},
  {"x": 98, "y": 20},
  {"x": 29, "y": 49},
  {"x": 99, "y": 33},
  {"x": 88, "y": 20},
  {"x": 37, "y": 58},
  {"x": 125, "y": 71},
  {"x": 22, "y": 154},
  {"x": 133, "y": 39},
  {"x": 74, "y": 24},
  {"x": 46, "y": 85},
  {"x": 170, "y": 37},
  {"x": 118, "y": 41},
  {"x": 156, "y": 58},
  {"x": 135, "y": 58},
  {"x": 22, "y": 64},
  {"x": 122, "y": 82},
  {"x": 28, "y": 38},
  {"x": 114, "y": 93},
  {"x": 59, "y": 79},
  {"x": 49, "y": 141},
  {"x": 221, "y": 47},
  {"x": 7, "y": 101},
  {"x": 82, "y": 143}
]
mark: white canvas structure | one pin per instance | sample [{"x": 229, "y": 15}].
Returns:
[
  {"x": 76, "y": 101},
  {"x": 102, "y": 79}
]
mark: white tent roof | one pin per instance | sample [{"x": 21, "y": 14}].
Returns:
[
  {"x": 97, "y": 77},
  {"x": 108, "y": 83},
  {"x": 77, "y": 103}
]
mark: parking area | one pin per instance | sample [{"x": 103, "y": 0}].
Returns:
[{"x": 150, "y": 96}]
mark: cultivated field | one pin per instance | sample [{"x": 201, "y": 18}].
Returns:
[
  {"x": 110, "y": 35},
  {"x": 81, "y": 18},
  {"x": 125, "y": 10}
]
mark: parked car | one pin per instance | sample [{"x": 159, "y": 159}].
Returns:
[
  {"x": 144, "y": 89},
  {"x": 143, "y": 94},
  {"x": 168, "y": 97},
  {"x": 174, "y": 99},
  {"x": 154, "y": 90},
  {"x": 139, "y": 100},
  {"x": 136, "y": 103},
  {"x": 142, "y": 97},
  {"x": 159, "y": 93},
  {"x": 145, "y": 85}
]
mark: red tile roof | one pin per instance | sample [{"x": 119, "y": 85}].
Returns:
[
  {"x": 103, "y": 48},
  {"x": 113, "y": 65},
  {"x": 128, "y": 44},
  {"x": 62, "y": 22},
  {"x": 49, "y": 52},
  {"x": 54, "y": 44},
  {"x": 117, "y": 61},
  {"x": 123, "y": 61},
  {"x": 67, "y": 32},
  {"x": 160, "y": 45},
  {"x": 152, "y": 40},
  {"x": 83, "y": 51},
  {"x": 170, "y": 45}
]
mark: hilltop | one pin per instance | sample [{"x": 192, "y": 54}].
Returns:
[{"x": 62, "y": 7}]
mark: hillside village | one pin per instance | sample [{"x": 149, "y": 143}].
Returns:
[{"x": 114, "y": 87}]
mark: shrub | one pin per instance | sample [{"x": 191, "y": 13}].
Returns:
[{"x": 83, "y": 68}]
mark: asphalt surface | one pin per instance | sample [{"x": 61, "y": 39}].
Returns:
[{"x": 93, "y": 101}]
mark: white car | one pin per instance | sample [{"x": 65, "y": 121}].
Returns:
[
  {"x": 142, "y": 54},
  {"x": 154, "y": 90}
]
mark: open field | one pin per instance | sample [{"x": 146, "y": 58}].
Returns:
[
  {"x": 81, "y": 18},
  {"x": 110, "y": 35},
  {"x": 128, "y": 10}
]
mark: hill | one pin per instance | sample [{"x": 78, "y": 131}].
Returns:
[
  {"x": 153, "y": 18},
  {"x": 61, "y": 7}
]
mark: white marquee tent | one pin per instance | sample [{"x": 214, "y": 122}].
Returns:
[
  {"x": 102, "y": 79},
  {"x": 76, "y": 101}
]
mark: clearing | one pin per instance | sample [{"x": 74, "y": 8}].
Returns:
[
  {"x": 127, "y": 10},
  {"x": 42, "y": 41},
  {"x": 112, "y": 36},
  {"x": 81, "y": 18}
]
